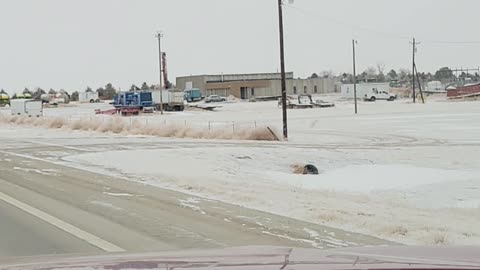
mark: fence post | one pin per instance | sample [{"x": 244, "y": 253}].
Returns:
[
  {"x": 255, "y": 124},
  {"x": 209, "y": 126},
  {"x": 233, "y": 126}
]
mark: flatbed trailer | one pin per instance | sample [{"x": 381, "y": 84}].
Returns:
[{"x": 124, "y": 111}]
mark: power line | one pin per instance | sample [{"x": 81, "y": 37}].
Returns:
[
  {"x": 345, "y": 24},
  {"x": 451, "y": 42},
  {"x": 315, "y": 15}
]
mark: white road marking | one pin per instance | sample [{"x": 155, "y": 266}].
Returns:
[
  {"x": 79, "y": 233},
  {"x": 60, "y": 145},
  {"x": 118, "y": 194}
]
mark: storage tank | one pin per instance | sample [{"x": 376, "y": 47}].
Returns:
[{"x": 4, "y": 100}]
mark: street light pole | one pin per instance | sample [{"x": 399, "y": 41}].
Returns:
[
  {"x": 159, "y": 36},
  {"x": 354, "y": 77},
  {"x": 282, "y": 66}
]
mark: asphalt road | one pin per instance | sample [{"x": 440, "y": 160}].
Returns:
[
  {"x": 75, "y": 211},
  {"x": 23, "y": 234}
]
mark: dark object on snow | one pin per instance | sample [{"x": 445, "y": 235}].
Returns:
[{"x": 310, "y": 169}]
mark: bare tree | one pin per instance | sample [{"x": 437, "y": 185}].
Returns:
[
  {"x": 371, "y": 71},
  {"x": 381, "y": 68},
  {"x": 404, "y": 74},
  {"x": 326, "y": 74}
]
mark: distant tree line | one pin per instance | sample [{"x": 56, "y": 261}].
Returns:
[
  {"x": 397, "y": 77},
  {"x": 104, "y": 93}
]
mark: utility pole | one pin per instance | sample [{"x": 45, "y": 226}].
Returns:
[
  {"x": 354, "y": 76},
  {"x": 419, "y": 84},
  {"x": 414, "y": 43},
  {"x": 282, "y": 66},
  {"x": 159, "y": 36}
]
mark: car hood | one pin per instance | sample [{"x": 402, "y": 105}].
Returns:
[{"x": 265, "y": 257}]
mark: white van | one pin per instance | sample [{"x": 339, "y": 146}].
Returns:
[{"x": 26, "y": 107}]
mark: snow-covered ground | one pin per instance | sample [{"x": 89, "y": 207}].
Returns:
[{"x": 401, "y": 171}]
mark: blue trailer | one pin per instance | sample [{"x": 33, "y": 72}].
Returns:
[
  {"x": 138, "y": 100},
  {"x": 193, "y": 94}
]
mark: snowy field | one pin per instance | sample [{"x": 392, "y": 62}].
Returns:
[{"x": 400, "y": 171}]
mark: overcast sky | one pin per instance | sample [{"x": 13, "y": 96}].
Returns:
[{"x": 77, "y": 43}]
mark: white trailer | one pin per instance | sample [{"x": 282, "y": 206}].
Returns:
[
  {"x": 88, "y": 97},
  {"x": 156, "y": 97},
  {"x": 176, "y": 100},
  {"x": 172, "y": 100},
  {"x": 368, "y": 91},
  {"x": 26, "y": 107}
]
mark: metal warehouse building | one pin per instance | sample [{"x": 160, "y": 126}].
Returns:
[{"x": 246, "y": 86}]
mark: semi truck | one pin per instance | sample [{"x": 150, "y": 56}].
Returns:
[
  {"x": 171, "y": 100},
  {"x": 26, "y": 107}
]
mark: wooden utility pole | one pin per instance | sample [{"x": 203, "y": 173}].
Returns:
[
  {"x": 159, "y": 36},
  {"x": 419, "y": 84},
  {"x": 282, "y": 66},
  {"x": 413, "y": 70},
  {"x": 354, "y": 77}
]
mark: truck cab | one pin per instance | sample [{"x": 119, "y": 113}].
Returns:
[
  {"x": 193, "y": 94},
  {"x": 376, "y": 94}
]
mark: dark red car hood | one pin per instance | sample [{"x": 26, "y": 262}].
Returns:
[{"x": 262, "y": 257}]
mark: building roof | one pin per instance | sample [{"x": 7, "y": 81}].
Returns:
[{"x": 241, "y": 77}]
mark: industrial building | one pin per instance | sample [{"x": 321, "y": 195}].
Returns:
[{"x": 248, "y": 86}]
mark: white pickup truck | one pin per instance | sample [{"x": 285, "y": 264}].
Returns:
[{"x": 376, "y": 94}]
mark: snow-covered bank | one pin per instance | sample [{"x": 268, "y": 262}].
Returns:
[{"x": 403, "y": 203}]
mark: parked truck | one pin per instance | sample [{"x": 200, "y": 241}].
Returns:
[
  {"x": 26, "y": 107},
  {"x": 172, "y": 100},
  {"x": 193, "y": 94},
  {"x": 55, "y": 99},
  {"x": 88, "y": 97},
  {"x": 369, "y": 91}
]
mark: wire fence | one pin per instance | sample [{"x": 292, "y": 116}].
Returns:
[{"x": 156, "y": 121}]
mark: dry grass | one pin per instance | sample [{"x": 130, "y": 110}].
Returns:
[
  {"x": 440, "y": 238},
  {"x": 118, "y": 126},
  {"x": 396, "y": 230},
  {"x": 298, "y": 168}
]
